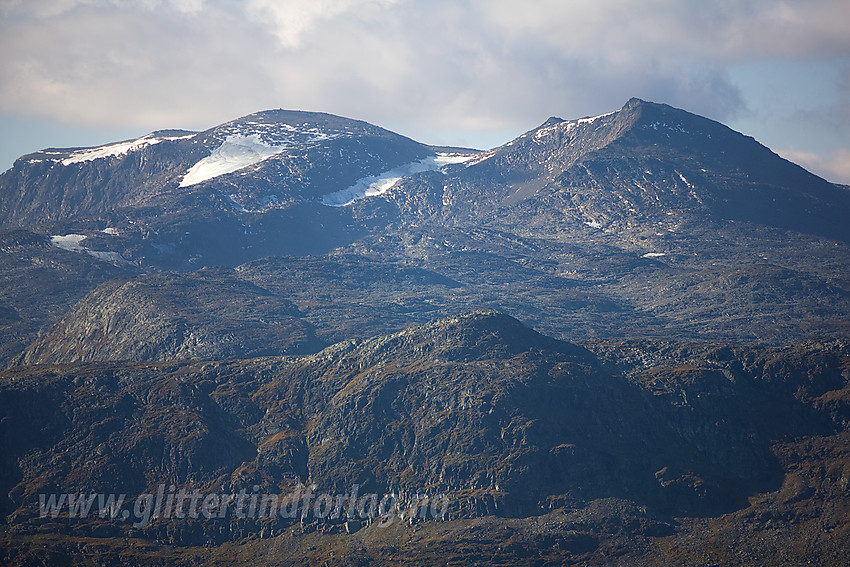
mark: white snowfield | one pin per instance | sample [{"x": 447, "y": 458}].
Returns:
[
  {"x": 235, "y": 153},
  {"x": 375, "y": 185},
  {"x": 74, "y": 243},
  {"x": 69, "y": 242},
  {"x": 248, "y": 144},
  {"x": 119, "y": 149}
]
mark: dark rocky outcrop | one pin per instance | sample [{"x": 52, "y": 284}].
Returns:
[{"x": 502, "y": 420}]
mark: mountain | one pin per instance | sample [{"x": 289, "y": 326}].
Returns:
[
  {"x": 644, "y": 221},
  {"x": 627, "y": 169},
  {"x": 501, "y": 420},
  {"x": 618, "y": 339},
  {"x": 302, "y": 154},
  {"x": 245, "y": 189},
  {"x": 294, "y": 182}
]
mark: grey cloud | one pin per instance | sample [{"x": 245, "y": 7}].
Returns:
[
  {"x": 422, "y": 67},
  {"x": 834, "y": 166},
  {"x": 720, "y": 31}
]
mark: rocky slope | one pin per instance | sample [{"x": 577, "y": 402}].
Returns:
[
  {"x": 502, "y": 420},
  {"x": 291, "y": 305},
  {"x": 207, "y": 314},
  {"x": 626, "y": 171}
]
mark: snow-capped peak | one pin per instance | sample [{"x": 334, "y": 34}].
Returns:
[{"x": 247, "y": 143}]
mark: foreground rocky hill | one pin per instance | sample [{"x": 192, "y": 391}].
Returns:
[{"x": 640, "y": 440}]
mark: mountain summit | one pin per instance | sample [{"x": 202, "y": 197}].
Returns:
[{"x": 642, "y": 164}]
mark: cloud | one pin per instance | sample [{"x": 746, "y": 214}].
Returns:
[
  {"x": 138, "y": 63},
  {"x": 53, "y": 8},
  {"x": 290, "y": 20},
  {"x": 423, "y": 68},
  {"x": 835, "y": 166},
  {"x": 724, "y": 31}
]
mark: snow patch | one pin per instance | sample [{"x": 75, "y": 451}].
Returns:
[
  {"x": 237, "y": 205},
  {"x": 592, "y": 119},
  {"x": 480, "y": 157},
  {"x": 69, "y": 242},
  {"x": 672, "y": 127},
  {"x": 375, "y": 185},
  {"x": 685, "y": 181},
  {"x": 593, "y": 224},
  {"x": 113, "y": 257},
  {"x": 110, "y": 231},
  {"x": 543, "y": 132},
  {"x": 112, "y": 150},
  {"x": 235, "y": 153},
  {"x": 654, "y": 255},
  {"x": 73, "y": 243},
  {"x": 173, "y": 138}
]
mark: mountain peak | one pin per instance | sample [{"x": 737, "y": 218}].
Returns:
[
  {"x": 635, "y": 102},
  {"x": 475, "y": 335},
  {"x": 649, "y": 160},
  {"x": 304, "y": 119},
  {"x": 551, "y": 121}
]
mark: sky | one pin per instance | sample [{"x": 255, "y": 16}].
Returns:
[{"x": 473, "y": 73}]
